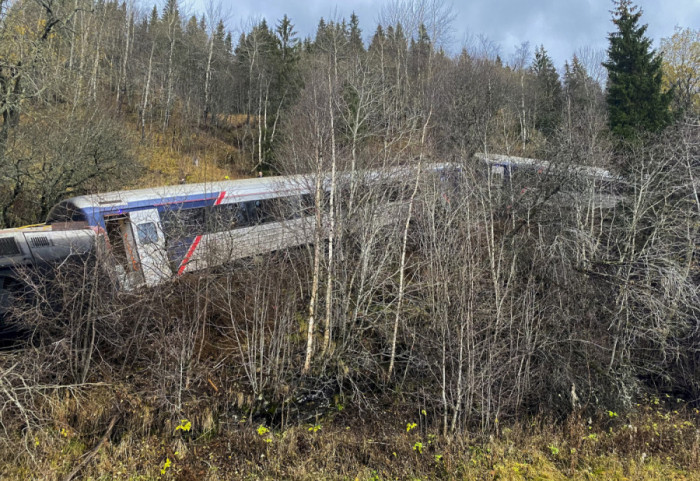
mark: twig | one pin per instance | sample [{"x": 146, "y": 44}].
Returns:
[{"x": 94, "y": 451}]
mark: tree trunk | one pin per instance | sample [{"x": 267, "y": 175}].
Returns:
[
  {"x": 145, "y": 93},
  {"x": 331, "y": 222},
  {"x": 207, "y": 80},
  {"x": 402, "y": 265},
  {"x": 317, "y": 264}
]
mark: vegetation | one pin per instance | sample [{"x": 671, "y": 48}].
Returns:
[
  {"x": 681, "y": 68},
  {"x": 543, "y": 328},
  {"x": 635, "y": 99}
]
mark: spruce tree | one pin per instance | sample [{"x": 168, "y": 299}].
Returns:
[
  {"x": 378, "y": 40},
  {"x": 355, "y": 40},
  {"x": 548, "y": 93},
  {"x": 581, "y": 91},
  {"x": 634, "y": 97}
]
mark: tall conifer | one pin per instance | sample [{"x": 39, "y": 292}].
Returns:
[
  {"x": 548, "y": 91},
  {"x": 634, "y": 97}
]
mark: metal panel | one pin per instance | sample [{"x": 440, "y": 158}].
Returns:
[
  {"x": 8, "y": 247},
  {"x": 150, "y": 242}
]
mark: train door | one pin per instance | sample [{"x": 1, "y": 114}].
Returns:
[
  {"x": 150, "y": 243},
  {"x": 124, "y": 251}
]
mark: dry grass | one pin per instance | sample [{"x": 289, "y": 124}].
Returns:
[
  {"x": 195, "y": 157},
  {"x": 658, "y": 442}
]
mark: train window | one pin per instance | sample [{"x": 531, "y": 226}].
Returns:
[
  {"x": 290, "y": 207},
  {"x": 183, "y": 222},
  {"x": 193, "y": 220},
  {"x": 225, "y": 217},
  {"x": 264, "y": 210},
  {"x": 147, "y": 232},
  {"x": 170, "y": 224},
  {"x": 65, "y": 211},
  {"x": 260, "y": 211},
  {"x": 251, "y": 209},
  {"x": 308, "y": 203}
]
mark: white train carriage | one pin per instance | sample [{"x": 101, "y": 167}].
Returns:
[{"x": 159, "y": 233}]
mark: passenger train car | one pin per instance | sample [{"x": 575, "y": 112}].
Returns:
[
  {"x": 503, "y": 167},
  {"x": 159, "y": 233},
  {"x": 155, "y": 234}
]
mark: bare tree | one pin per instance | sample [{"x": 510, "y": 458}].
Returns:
[{"x": 436, "y": 15}]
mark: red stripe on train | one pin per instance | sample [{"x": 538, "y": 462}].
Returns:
[
  {"x": 189, "y": 255},
  {"x": 197, "y": 239}
]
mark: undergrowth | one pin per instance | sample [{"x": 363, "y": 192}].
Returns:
[{"x": 658, "y": 440}]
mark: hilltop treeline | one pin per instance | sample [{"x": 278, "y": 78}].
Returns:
[{"x": 476, "y": 305}]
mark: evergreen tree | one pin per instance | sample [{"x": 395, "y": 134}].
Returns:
[
  {"x": 420, "y": 51},
  {"x": 289, "y": 74},
  {"x": 321, "y": 33},
  {"x": 548, "y": 93},
  {"x": 634, "y": 97},
  {"x": 356, "y": 45},
  {"x": 171, "y": 13},
  {"x": 377, "y": 40},
  {"x": 154, "y": 17},
  {"x": 287, "y": 36},
  {"x": 581, "y": 90},
  {"x": 229, "y": 44}
]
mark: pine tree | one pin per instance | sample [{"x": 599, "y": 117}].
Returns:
[{"x": 634, "y": 97}]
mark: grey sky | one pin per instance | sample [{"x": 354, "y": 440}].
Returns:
[{"x": 562, "y": 26}]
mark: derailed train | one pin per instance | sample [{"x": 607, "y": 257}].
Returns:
[{"x": 156, "y": 234}]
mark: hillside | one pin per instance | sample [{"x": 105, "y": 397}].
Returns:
[{"x": 471, "y": 321}]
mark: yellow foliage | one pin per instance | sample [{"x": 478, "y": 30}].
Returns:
[{"x": 681, "y": 65}]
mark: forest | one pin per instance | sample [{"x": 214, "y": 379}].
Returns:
[{"x": 526, "y": 331}]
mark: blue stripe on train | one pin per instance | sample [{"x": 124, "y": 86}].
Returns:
[
  {"x": 176, "y": 248},
  {"x": 96, "y": 215}
]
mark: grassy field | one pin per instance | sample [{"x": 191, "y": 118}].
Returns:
[{"x": 660, "y": 441}]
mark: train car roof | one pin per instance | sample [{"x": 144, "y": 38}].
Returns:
[
  {"x": 264, "y": 186},
  {"x": 183, "y": 192},
  {"x": 509, "y": 160}
]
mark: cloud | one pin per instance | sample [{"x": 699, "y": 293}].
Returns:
[{"x": 562, "y": 26}]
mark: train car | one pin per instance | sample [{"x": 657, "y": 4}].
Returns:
[
  {"x": 501, "y": 168},
  {"x": 40, "y": 247},
  {"x": 156, "y": 234}
]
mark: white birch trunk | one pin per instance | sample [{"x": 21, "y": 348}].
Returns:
[
  {"x": 96, "y": 63},
  {"x": 331, "y": 230},
  {"x": 127, "y": 49},
  {"x": 145, "y": 92},
  {"x": 207, "y": 80},
  {"x": 317, "y": 266}
]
